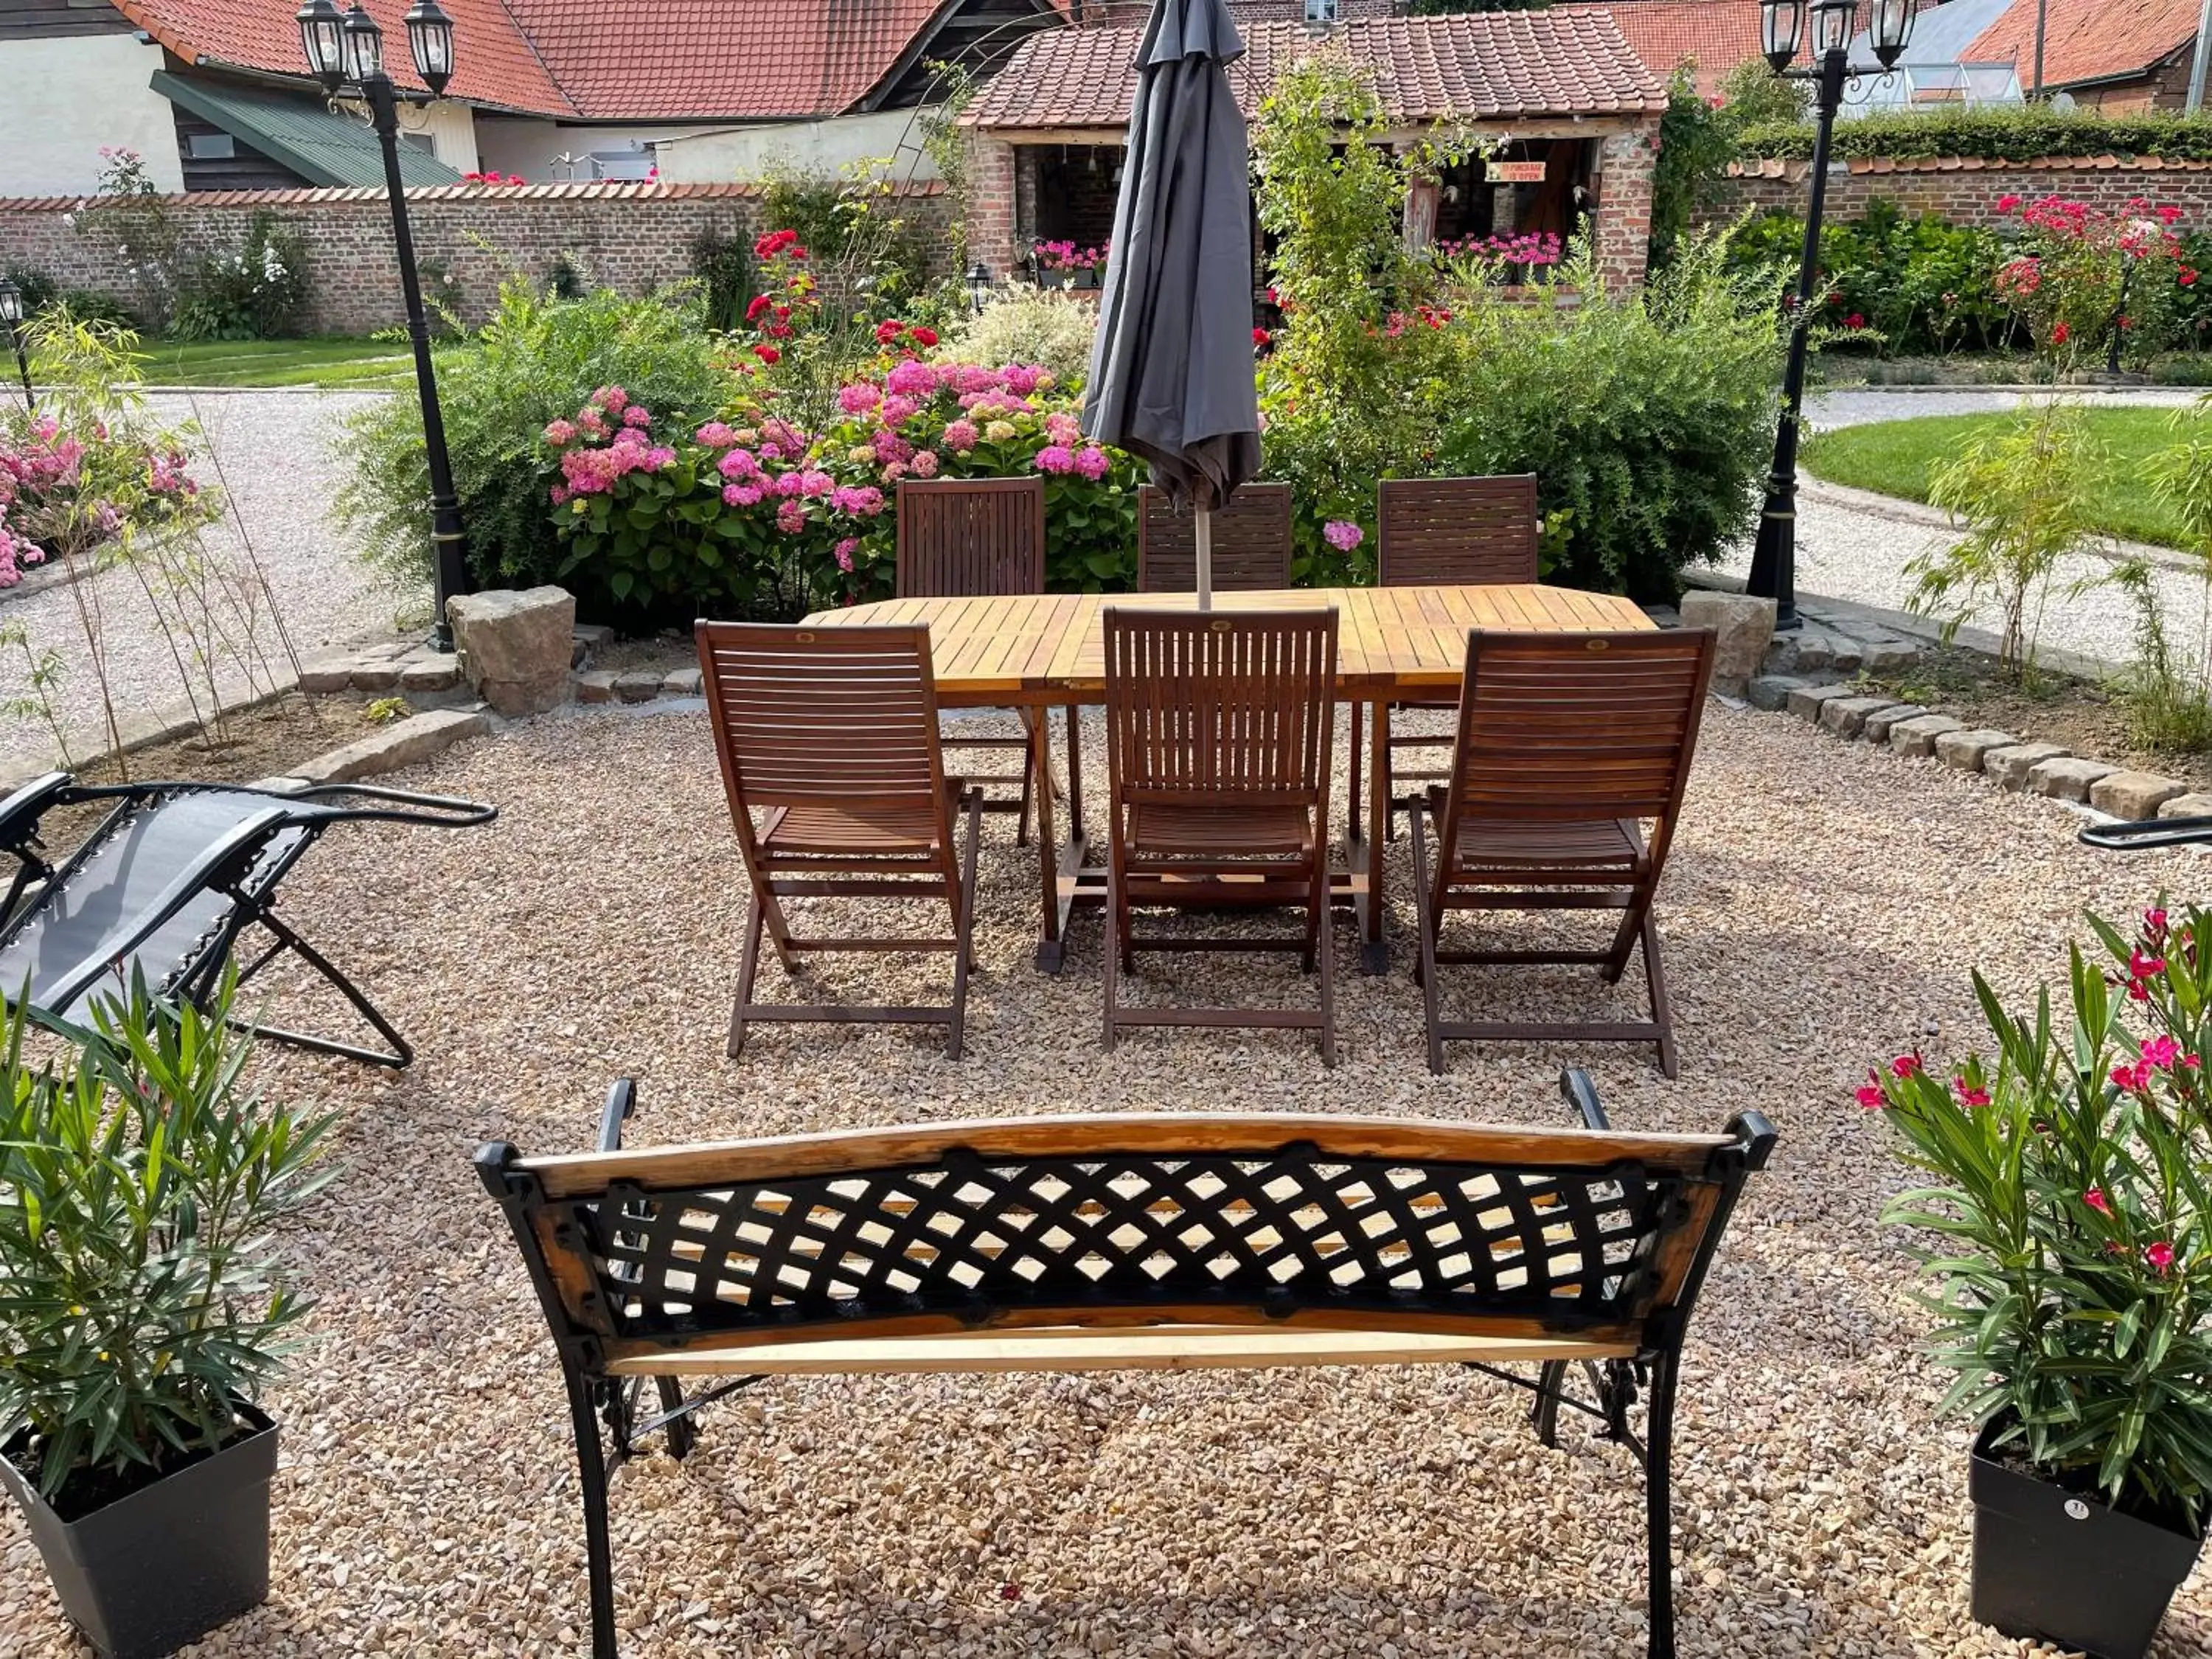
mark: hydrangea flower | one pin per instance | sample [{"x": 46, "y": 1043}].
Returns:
[
  {"x": 911, "y": 379},
  {"x": 998, "y": 431},
  {"x": 925, "y": 464},
  {"x": 845, "y": 549},
  {"x": 1342, "y": 534},
  {"x": 1091, "y": 462},
  {"x": 960, "y": 436},
  {"x": 1055, "y": 458},
  {"x": 791, "y": 517},
  {"x": 715, "y": 436}
]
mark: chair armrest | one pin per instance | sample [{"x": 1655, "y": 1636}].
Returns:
[
  {"x": 20, "y": 811},
  {"x": 621, "y": 1100},
  {"x": 438, "y": 811},
  {"x": 1580, "y": 1093}
]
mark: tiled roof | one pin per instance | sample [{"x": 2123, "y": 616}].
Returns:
[
  {"x": 2086, "y": 40},
  {"x": 1715, "y": 35},
  {"x": 594, "y": 190},
  {"x": 494, "y": 63},
  {"x": 1470, "y": 66},
  {"x": 1771, "y": 166}
]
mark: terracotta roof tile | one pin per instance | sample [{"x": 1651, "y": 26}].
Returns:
[
  {"x": 2086, "y": 40},
  {"x": 580, "y": 190},
  {"x": 1477, "y": 66},
  {"x": 1715, "y": 35}
]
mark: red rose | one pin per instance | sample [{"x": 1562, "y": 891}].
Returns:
[
  {"x": 1259, "y": 339},
  {"x": 768, "y": 354},
  {"x": 888, "y": 330},
  {"x": 924, "y": 338},
  {"x": 1855, "y": 321},
  {"x": 2186, "y": 276},
  {"x": 761, "y": 303}
]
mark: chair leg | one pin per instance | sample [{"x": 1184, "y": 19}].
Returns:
[
  {"x": 1545, "y": 1414},
  {"x": 748, "y": 965},
  {"x": 1659, "y": 1503},
  {"x": 963, "y": 927},
  {"x": 682, "y": 1434},
  {"x": 1355, "y": 801},
  {"x": 1426, "y": 920},
  {"x": 1663, "y": 1013},
  {"x": 1319, "y": 904},
  {"x": 1113, "y": 949},
  {"x": 592, "y": 1473},
  {"x": 401, "y": 1054},
  {"x": 1074, "y": 773},
  {"x": 1030, "y": 761}
]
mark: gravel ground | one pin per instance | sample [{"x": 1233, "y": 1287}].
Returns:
[
  {"x": 279, "y": 455},
  {"x": 426, "y": 1500},
  {"x": 1854, "y": 545}
]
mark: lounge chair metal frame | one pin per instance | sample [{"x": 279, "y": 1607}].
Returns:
[
  {"x": 1141, "y": 1241},
  {"x": 244, "y": 865}
]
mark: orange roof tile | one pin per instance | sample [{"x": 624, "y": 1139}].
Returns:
[
  {"x": 1467, "y": 66},
  {"x": 2086, "y": 40},
  {"x": 1715, "y": 35}
]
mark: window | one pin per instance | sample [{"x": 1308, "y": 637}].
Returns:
[
  {"x": 418, "y": 141},
  {"x": 211, "y": 147},
  {"x": 1320, "y": 11}
]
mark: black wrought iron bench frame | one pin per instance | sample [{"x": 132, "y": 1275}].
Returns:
[{"x": 1138, "y": 1241}]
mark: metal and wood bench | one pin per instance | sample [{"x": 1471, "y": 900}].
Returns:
[{"x": 1141, "y": 1241}]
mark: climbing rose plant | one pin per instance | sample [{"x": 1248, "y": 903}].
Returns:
[{"x": 2086, "y": 282}]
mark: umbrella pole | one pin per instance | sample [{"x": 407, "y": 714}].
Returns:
[{"x": 1205, "y": 536}]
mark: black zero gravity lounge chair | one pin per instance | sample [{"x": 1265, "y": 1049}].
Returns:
[{"x": 169, "y": 882}]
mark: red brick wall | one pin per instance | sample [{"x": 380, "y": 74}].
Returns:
[
  {"x": 632, "y": 237},
  {"x": 1622, "y": 203},
  {"x": 1966, "y": 192},
  {"x": 990, "y": 185}
]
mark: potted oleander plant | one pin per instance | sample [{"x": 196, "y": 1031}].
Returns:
[
  {"x": 143, "y": 1312},
  {"x": 2071, "y": 1288}
]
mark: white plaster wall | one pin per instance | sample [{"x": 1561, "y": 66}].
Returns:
[
  {"x": 62, "y": 99},
  {"x": 453, "y": 131},
  {"x": 533, "y": 147},
  {"x": 745, "y": 154}
]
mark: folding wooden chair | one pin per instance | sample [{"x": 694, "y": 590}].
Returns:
[
  {"x": 1567, "y": 743},
  {"x": 1251, "y": 542},
  {"x": 830, "y": 735},
  {"x": 970, "y": 538},
  {"x": 1218, "y": 731},
  {"x": 1446, "y": 532}
]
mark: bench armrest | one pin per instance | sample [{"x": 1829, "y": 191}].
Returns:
[
  {"x": 621, "y": 1100},
  {"x": 1582, "y": 1094}
]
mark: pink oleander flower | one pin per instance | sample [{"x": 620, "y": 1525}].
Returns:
[
  {"x": 1907, "y": 1066},
  {"x": 2096, "y": 1199},
  {"x": 1870, "y": 1094},
  {"x": 911, "y": 379},
  {"x": 562, "y": 433},
  {"x": 1092, "y": 462},
  {"x": 2160, "y": 1255},
  {"x": 2161, "y": 1052},
  {"x": 715, "y": 436},
  {"x": 961, "y": 436},
  {"x": 2135, "y": 1079},
  {"x": 637, "y": 415},
  {"x": 791, "y": 517},
  {"x": 1968, "y": 1094},
  {"x": 858, "y": 398},
  {"x": 1055, "y": 458},
  {"x": 925, "y": 463},
  {"x": 845, "y": 549},
  {"x": 1342, "y": 534}
]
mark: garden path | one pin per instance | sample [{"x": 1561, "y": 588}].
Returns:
[
  {"x": 279, "y": 454},
  {"x": 1855, "y": 545}
]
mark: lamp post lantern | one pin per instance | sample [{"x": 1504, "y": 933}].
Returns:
[
  {"x": 348, "y": 47},
  {"x": 1781, "y": 30},
  {"x": 12, "y": 314},
  {"x": 979, "y": 286}
]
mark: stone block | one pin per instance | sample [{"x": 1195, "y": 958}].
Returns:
[
  {"x": 403, "y": 743},
  {"x": 438, "y": 673},
  {"x": 682, "y": 683},
  {"x": 325, "y": 675},
  {"x": 2191, "y": 805},
  {"x": 279, "y": 786},
  {"x": 1771, "y": 691},
  {"x": 1888, "y": 656},
  {"x": 1916, "y": 736},
  {"x": 1806, "y": 700},
  {"x": 1882, "y": 720},
  {"x": 376, "y": 674},
  {"x": 1742, "y": 628},
  {"x": 2133, "y": 794},
  {"x": 596, "y": 685},
  {"x": 593, "y": 636},
  {"x": 638, "y": 685},
  {"x": 515, "y": 645},
  {"x": 1963, "y": 750},
  {"x": 1847, "y": 716},
  {"x": 1804, "y": 652},
  {"x": 2067, "y": 777},
  {"x": 2011, "y": 766}
]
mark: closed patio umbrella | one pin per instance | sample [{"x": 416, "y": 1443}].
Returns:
[{"x": 1171, "y": 370}]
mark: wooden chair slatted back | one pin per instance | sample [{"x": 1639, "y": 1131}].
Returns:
[
  {"x": 1456, "y": 532},
  {"x": 1560, "y": 727},
  {"x": 1219, "y": 709},
  {"x": 840, "y": 717},
  {"x": 1128, "y": 1220},
  {"x": 970, "y": 538},
  {"x": 1251, "y": 542}
]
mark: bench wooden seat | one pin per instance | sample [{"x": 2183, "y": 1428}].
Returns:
[{"x": 1137, "y": 1241}]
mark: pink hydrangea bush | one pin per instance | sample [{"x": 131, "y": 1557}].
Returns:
[{"x": 67, "y": 486}]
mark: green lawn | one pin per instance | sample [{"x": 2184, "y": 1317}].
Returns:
[
  {"x": 1897, "y": 458},
  {"x": 330, "y": 362}
]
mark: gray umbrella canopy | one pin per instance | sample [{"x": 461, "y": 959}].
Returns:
[{"x": 1171, "y": 370}]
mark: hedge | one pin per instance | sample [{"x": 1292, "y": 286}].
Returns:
[{"x": 2025, "y": 133}]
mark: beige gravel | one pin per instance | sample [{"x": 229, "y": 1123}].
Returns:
[{"x": 1824, "y": 907}]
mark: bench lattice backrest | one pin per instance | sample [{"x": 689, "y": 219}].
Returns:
[{"x": 1191, "y": 1219}]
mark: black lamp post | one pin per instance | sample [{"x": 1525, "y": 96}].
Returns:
[
  {"x": 979, "y": 286},
  {"x": 11, "y": 314},
  {"x": 1782, "y": 28},
  {"x": 348, "y": 47}
]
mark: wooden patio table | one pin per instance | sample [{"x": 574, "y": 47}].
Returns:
[{"x": 1035, "y": 652}]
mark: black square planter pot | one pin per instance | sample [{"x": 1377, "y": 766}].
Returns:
[
  {"x": 2055, "y": 1564},
  {"x": 163, "y": 1565}
]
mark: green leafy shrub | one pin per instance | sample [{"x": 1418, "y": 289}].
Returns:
[
  {"x": 1696, "y": 143},
  {"x": 141, "y": 1303},
  {"x": 255, "y": 293},
  {"x": 1899, "y": 285},
  {"x": 2169, "y": 693},
  {"x": 723, "y": 267},
  {"x": 2023, "y": 133},
  {"x": 1025, "y": 324},
  {"x": 537, "y": 361},
  {"x": 2071, "y": 1280}
]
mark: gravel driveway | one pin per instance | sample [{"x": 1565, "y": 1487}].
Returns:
[
  {"x": 427, "y": 1502},
  {"x": 1854, "y": 545},
  {"x": 280, "y": 455}
]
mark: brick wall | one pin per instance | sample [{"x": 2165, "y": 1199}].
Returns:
[
  {"x": 1966, "y": 191},
  {"x": 632, "y": 237},
  {"x": 1622, "y": 203},
  {"x": 991, "y": 204}
]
